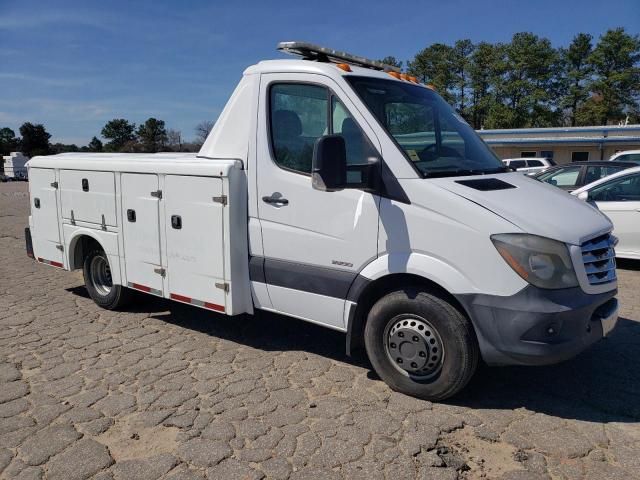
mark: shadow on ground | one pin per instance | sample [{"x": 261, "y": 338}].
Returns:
[{"x": 600, "y": 385}]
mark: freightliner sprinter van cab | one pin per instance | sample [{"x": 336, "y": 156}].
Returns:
[{"x": 338, "y": 191}]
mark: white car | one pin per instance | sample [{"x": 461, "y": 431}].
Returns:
[
  {"x": 618, "y": 197},
  {"x": 627, "y": 156},
  {"x": 528, "y": 165}
]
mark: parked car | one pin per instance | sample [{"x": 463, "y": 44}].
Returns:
[
  {"x": 618, "y": 197},
  {"x": 351, "y": 196},
  {"x": 528, "y": 165},
  {"x": 3, "y": 178},
  {"x": 577, "y": 174},
  {"x": 627, "y": 156}
]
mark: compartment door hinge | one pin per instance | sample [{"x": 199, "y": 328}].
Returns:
[
  {"x": 223, "y": 286},
  {"x": 60, "y": 247},
  {"x": 160, "y": 271},
  {"x": 221, "y": 199},
  {"x": 157, "y": 194}
]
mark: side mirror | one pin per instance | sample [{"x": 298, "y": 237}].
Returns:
[
  {"x": 584, "y": 196},
  {"x": 329, "y": 164}
]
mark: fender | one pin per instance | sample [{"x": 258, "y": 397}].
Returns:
[
  {"x": 107, "y": 240},
  {"x": 431, "y": 268}
]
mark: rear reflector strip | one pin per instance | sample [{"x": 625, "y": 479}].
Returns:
[
  {"x": 50, "y": 262},
  {"x": 144, "y": 288},
  {"x": 198, "y": 303}
]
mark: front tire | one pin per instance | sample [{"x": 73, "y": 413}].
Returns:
[
  {"x": 420, "y": 344},
  {"x": 99, "y": 284}
]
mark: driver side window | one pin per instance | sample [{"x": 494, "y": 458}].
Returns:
[
  {"x": 299, "y": 114},
  {"x": 623, "y": 189}
]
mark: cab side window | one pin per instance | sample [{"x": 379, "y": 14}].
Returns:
[
  {"x": 302, "y": 113},
  {"x": 298, "y": 118},
  {"x": 625, "y": 189}
]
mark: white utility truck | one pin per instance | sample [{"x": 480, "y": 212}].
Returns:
[{"x": 336, "y": 190}]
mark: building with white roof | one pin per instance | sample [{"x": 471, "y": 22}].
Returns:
[{"x": 563, "y": 144}]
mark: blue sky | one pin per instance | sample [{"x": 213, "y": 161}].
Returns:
[{"x": 73, "y": 65}]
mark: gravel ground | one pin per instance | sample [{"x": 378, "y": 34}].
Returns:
[{"x": 170, "y": 391}]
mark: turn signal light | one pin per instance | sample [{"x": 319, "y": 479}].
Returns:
[
  {"x": 395, "y": 75},
  {"x": 413, "y": 79},
  {"x": 343, "y": 66}
]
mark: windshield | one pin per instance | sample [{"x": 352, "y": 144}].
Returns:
[{"x": 434, "y": 138}]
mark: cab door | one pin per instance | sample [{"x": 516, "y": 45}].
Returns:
[{"x": 314, "y": 242}]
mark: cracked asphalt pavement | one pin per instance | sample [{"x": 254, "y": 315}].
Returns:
[{"x": 170, "y": 391}]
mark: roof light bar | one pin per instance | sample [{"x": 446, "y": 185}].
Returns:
[{"x": 309, "y": 51}]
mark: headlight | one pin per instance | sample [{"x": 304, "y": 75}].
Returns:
[{"x": 540, "y": 261}]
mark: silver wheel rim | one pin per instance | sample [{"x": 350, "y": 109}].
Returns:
[
  {"x": 414, "y": 347},
  {"x": 101, "y": 275}
]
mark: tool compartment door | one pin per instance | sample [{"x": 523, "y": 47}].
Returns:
[
  {"x": 195, "y": 240},
  {"x": 44, "y": 216},
  {"x": 141, "y": 232},
  {"x": 90, "y": 195}
]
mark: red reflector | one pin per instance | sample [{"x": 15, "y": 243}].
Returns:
[
  {"x": 213, "y": 306},
  {"x": 180, "y": 298},
  {"x": 56, "y": 264},
  {"x": 144, "y": 288}
]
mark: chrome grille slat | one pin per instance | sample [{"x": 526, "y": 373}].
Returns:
[
  {"x": 590, "y": 257},
  {"x": 594, "y": 267},
  {"x": 595, "y": 280},
  {"x": 598, "y": 245},
  {"x": 598, "y": 256}
]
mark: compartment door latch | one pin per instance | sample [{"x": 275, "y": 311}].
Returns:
[
  {"x": 157, "y": 194},
  {"x": 221, "y": 199}
]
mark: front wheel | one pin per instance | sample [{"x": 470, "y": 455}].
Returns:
[
  {"x": 420, "y": 344},
  {"x": 97, "y": 279}
]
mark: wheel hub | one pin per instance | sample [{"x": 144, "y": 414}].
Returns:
[
  {"x": 413, "y": 345},
  {"x": 101, "y": 275}
]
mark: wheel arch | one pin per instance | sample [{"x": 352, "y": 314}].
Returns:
[
  {"x": 81, "y": 242},
  {"x": 364, "y": 294},
  {"x": 79, "y": 246}
]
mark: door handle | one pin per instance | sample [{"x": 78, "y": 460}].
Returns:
[
  {"x": 131, "y": 215},
  {"x": 176, "y": 222},
  {"x": 275, "y": 199}
]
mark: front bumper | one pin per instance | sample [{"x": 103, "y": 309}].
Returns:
[{"x": 539, "y": 327}]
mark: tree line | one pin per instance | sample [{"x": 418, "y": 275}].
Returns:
[
  {"x": 120, "y": 135},
  {"x": 529, "y": 83}
]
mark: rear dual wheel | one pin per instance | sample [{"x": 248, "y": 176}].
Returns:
[
  {"x": 99, "y": 282},
  {"x": 420, "y": 344}
]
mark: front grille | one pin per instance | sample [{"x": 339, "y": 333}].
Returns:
[{"x": 599, "y": 259}]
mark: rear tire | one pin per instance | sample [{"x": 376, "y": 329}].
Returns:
[
  {"x": 420, "y": 344},
  {"x": 99, "y": 284}
]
